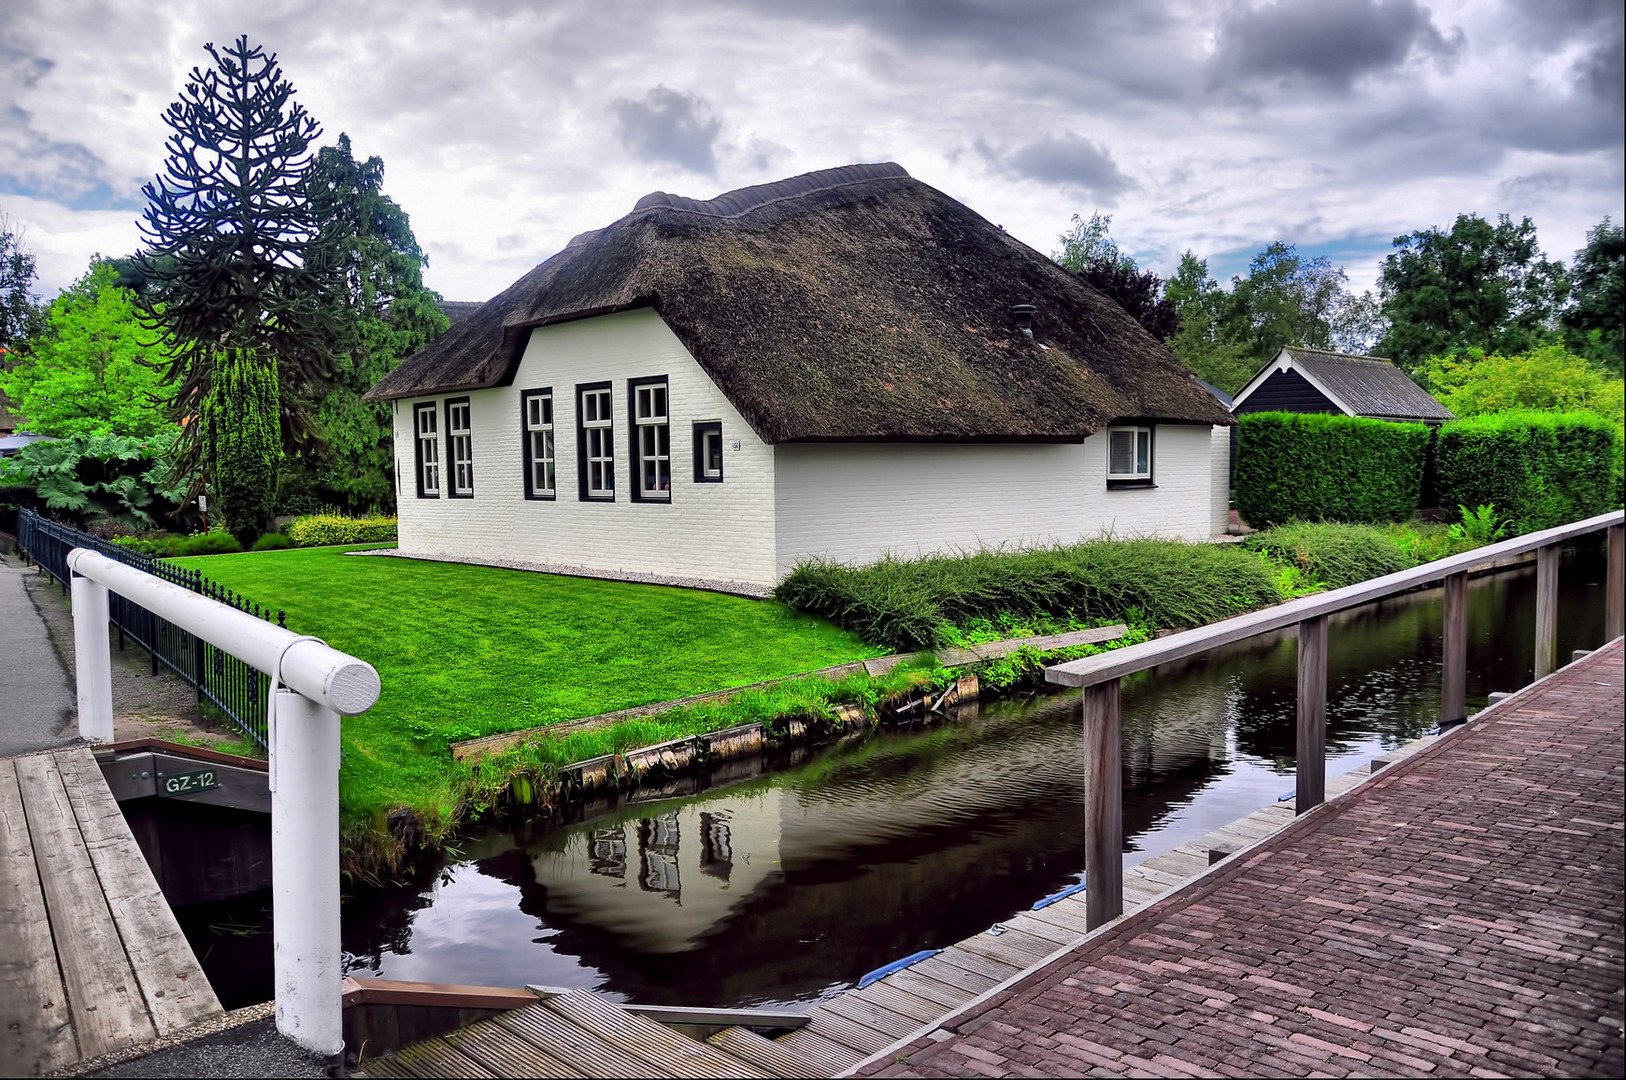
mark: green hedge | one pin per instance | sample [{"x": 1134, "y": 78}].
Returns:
[
  {"x": 1539, "y": 469},
  {"x": 1333, "y": 554},
  {"x": 319, "y": 530},
  {"x": 914, "y": 604},
  {"x": 1316, "y": 467}
]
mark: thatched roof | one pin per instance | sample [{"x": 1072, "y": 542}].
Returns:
[{"x": 850, "y": 304}]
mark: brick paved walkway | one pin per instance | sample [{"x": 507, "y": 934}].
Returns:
[{"x": 1461, "y": 915}]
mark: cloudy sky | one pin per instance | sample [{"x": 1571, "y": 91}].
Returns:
[{"x": 506, "y": 126}]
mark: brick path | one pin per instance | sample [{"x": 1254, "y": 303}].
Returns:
[{"x": 1461, "y": 915}]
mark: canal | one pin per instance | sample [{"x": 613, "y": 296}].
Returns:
[{"x": 790, "y": 885}]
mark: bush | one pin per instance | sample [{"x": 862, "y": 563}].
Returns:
[
  {"x": 213, "y": 542},
  {"x": 1539, "y": 469},
  {"x": 1315, "y": 467},
  {"x": 318, "y": 530},
  {"x": 272, "y": 542},
  {"x": 914, "y": 604},
  {"x": 1333, "y": 554}
]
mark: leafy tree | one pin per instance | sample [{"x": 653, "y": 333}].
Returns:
[
  {"x": 1594, "y": 320},
  {"x": 239, "y": 429},
  {"x": 1479, "y": 286},
  {"x": 99, "y": 479},
  {"x": 1202, "y": 306},
  {"x": 368, "y": 240},
  {"x": 92, "y": 370},
  {"x": 19, "y": 311},
  {"x": 1089, "y": 251},
  {"x": 1549, "y": 378},
  {"x": 228, "y": 274}
]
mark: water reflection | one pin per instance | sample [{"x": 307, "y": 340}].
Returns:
[{"x": 786, "y": 886}]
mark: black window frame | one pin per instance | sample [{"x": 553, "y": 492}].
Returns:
[
  {"x": 635, "y": 489},
  {"x": 449, "y": 472},
  {"x": 583, "y": 389},
  {"x": 1147, "y": 481},
  {"x": 525, "y": 433},
  {"x": 702, "y": 428},
  {"x": 433, "y": 409}
]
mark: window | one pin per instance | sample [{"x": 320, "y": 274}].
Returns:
[
  {"x": 424, "y": 425},
  {"x": 595, "y": 442},
  {"x": 460, "y": 449},
  {"x": 652, "y": 440},
  {"x": 1129, "y": 457},
  {"x": 536, "y": 409},
  {"x": 708, "y": 452}
]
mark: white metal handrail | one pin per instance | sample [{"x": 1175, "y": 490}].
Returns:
[{"x": 311, "y": 685}]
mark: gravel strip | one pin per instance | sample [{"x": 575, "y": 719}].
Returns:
[{"x": 732, "y": 588}]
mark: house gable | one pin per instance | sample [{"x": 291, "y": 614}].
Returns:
[{"x": 1287, "y": 391}]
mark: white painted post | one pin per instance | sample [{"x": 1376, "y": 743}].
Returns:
[
  {"x": 305, "y": 873},
  {"x": 92, "y": 662}
]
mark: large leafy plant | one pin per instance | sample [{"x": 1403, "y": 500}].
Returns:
[{"x": 99, "y": 479}]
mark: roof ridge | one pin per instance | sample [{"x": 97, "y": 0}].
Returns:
[
  {"x": 1365, "y": 359},
  {"x": 743, "y": 200}
]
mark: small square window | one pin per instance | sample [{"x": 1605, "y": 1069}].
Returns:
[
  {"x": 1129, "y": 457},
  {"x": 708, "y": 452}
]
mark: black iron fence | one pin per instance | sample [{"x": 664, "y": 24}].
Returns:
[{"x": 222, "y": 681}]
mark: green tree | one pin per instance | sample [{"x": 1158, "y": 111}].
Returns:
[
  {"x": 1202, "y": 306},
  {"x": 227, "y": 273},
  {"x": 19, "y": 311},
  {"x": 1088, "y": 250},
  {"x": 1596, "y": 317},
  {"x": 238, "y": 422},
  {"x": 92, "y": 371},
  {"x": 1479, "y": 286},
  {"x": 367, "y": 239},
  {"x": 1549, "y": 378}
]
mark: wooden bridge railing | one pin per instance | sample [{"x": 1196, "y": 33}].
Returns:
[{"x": 1099, "y": 677}]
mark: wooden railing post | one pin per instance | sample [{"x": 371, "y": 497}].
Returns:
[
  {"x": 1454, "y": 656},
  {"x": 1617, "y": 557},
  {"x": 1103, "y": 805},
  {"x": 1546, "y": 610},
  {"x": 1312, "y": 714}
]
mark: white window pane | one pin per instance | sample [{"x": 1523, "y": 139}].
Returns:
[
  {"x": 1143, "y": 452},
  {"x": 1120, "y": 452}
]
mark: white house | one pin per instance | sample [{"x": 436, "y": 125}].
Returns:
[{"x": 837, "y": 366}]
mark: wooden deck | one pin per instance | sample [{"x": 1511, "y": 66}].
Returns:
[
  {"x": 91, "y": 957},
  {"x": 580, "y": 1034}
]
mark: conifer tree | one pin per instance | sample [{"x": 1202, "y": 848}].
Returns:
[{"x": 238, "y": 428}]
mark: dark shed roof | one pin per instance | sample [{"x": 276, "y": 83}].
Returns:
[
  {"x": 1370, "y": 385},
  {"x": 855, "y": 303}
]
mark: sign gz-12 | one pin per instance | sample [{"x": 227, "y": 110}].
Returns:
[{"x": 188, "y": 782}]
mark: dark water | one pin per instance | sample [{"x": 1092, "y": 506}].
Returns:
[{"x": 791, "y": 885}]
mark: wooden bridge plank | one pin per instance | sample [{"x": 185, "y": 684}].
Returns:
[
  {"x": 506, "y": 1054},
  {"x": 1043, "y": 929},
  {"x": 924, "y": 986},
  {"x": 871, "y": 1014},
  {"x": 844, "y": 1032},
  {"x": 575, "y": 1046},
  {"x": 104, "y": 998},
  {"x": 35, "y": 1033},
  {"x": 898, "y": 1000},
  {"x": 954, "y": 971},
  {"x": 767, "y": 1055},
  {"x": 436, "y": 1057},
  {"x": 1011, "y": 947},
  {"x": 825, "y": 1053},
  {"x": 661, "y": 1047},
  {"x": 176, "y": 990}
]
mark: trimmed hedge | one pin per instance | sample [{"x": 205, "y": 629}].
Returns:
[
  {"x": 1539, "y": 469},
  {"x": 1316, "y": 467},
  {"x": 914, "y": 604},
  {"x": 320, "y": 530}
]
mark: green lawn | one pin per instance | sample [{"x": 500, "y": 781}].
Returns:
[{"x": 465, "y": 651}]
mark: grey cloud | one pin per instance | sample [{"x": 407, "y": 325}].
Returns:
[
  {"x": 1328, "y": 42},
  {"x": 1070, "y": 162},
  {"x": 672, "y": 127}
]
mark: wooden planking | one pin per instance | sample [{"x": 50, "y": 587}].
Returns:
[
  {"x": 900, "y": 1001},
  {"x": 849, "y": 1033},
  {"x": 1127, "y": 661},
  {"x": 438, "y": 1058},
  {"x": 992, "y": 968},
  {"x": 1012, "y": 947},
  {"x": 506, "y": 1054},
  {"x": 1069, "y": 917},
  {"x": 826, "y": 1054},
  {"x": 104, "y": 998},
  {"x": 35, "y": 1033},
  {"x": 1043, "y": 643},
  {"x": 1043, "y": 929},
  {"x": 661, "y": 1047},
  {"x": 973, "y": 981},
  {"x": 573, "y": 1045},
  {"x": 765, "y": 1054},
  {"x": 172, "y": 981},
  {"x": 871, "y": 1014},
  {"x": 923, "y": 986},
  {"x": 1160, "y": 878},
  {"x": 1178, "y": 862}
]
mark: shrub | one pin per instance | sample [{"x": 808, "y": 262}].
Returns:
[
  {"x": 213, "y": 542},
  {"x": 1539, "y": 469},
  {"x": 1333, "y": 554},
  {"x": 328, "y": 527},
  {"x": 272, "y": 542},
  {"x": 913, "y": 604},
  {"x": 1315, "y": 467}
]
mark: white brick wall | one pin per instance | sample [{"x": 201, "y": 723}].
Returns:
[
  {"x": 707, "y": 530},
  {"x": 853, "y": 502},
  {"x": 1220, "y": 478}
]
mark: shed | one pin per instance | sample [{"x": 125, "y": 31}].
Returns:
[{"x": 1315, "y": 381}]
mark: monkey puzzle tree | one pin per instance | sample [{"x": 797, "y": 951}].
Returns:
[{"x": 229, "y": 277}]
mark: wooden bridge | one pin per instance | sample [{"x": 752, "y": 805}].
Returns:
[{"x": 91, "y": 957}]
